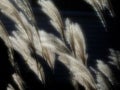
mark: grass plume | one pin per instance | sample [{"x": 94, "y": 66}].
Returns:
[{"x": 39, "y": 48}]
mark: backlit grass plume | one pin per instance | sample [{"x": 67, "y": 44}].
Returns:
[
  {"x": 36, "y": 54},
  {"x": 100, "y": 6}
]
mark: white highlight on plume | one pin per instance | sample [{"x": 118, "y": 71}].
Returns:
[
  {"x": 105, "y": 69},
  {"x": 52, "y": 12},
  {"x": 80, "y": 73},
  {"x": 114, "y": 58},
  {"x": 99, "y": 6},
  {"x": 76, "y": 40}
]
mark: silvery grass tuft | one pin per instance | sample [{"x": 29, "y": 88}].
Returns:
[
  {"x": 31, "y": 42},
  {"x": 99, "y": 6}
]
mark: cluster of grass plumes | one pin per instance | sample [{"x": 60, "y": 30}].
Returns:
[{"x": 38, "y": 54}]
